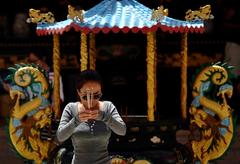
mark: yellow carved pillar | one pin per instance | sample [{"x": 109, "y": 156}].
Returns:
[
  {"x": 155, "y": 70},
  {"x": 56, "y": 69},
  {"x": 184, "y": 49},
  {"x": 92, "y": 51},
  {"x": 84, "y": 53},
  {"x": 151, "y": 52}
]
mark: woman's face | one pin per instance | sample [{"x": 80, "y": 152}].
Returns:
[{"x": 90, "y": 93}]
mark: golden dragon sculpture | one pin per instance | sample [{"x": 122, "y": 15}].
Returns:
[
  {"x": 159, "y": 13},
  {"x": 75, "y": 14},
  {"x": 203, "y": 13},
  {"x": 211, "y": 116},
  {"x": 31, "y": 112},
  {"x": 36, "y": 16}
]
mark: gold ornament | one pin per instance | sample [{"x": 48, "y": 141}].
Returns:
[
  {"x": 203, "y": 13},
  {"x": 37, "y": 17},
  {"x": 75, "y": 14},
  {"x": 159, "y": 14}
]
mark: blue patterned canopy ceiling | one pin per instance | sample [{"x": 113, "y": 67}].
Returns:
[{"x": 119, "y": 15}]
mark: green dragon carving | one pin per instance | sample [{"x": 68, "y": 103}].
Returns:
[
  {"x": 210, "y": 113},
  {"x": 31, "y": 112}
]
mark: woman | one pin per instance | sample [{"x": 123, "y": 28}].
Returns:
[{"x": 90, "y": 121}]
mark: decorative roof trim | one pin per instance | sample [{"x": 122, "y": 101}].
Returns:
[{"x": 115, "y": 29}]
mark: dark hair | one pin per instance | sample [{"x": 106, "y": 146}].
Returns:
[{"x": 88, "y": 75}]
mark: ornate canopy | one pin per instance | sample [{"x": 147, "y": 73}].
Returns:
[
  {"x": 119, "y": 15},
  {"x": 124, "y": 16}
]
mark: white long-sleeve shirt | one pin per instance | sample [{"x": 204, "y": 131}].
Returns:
[{"x": 90, "y": 139}]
